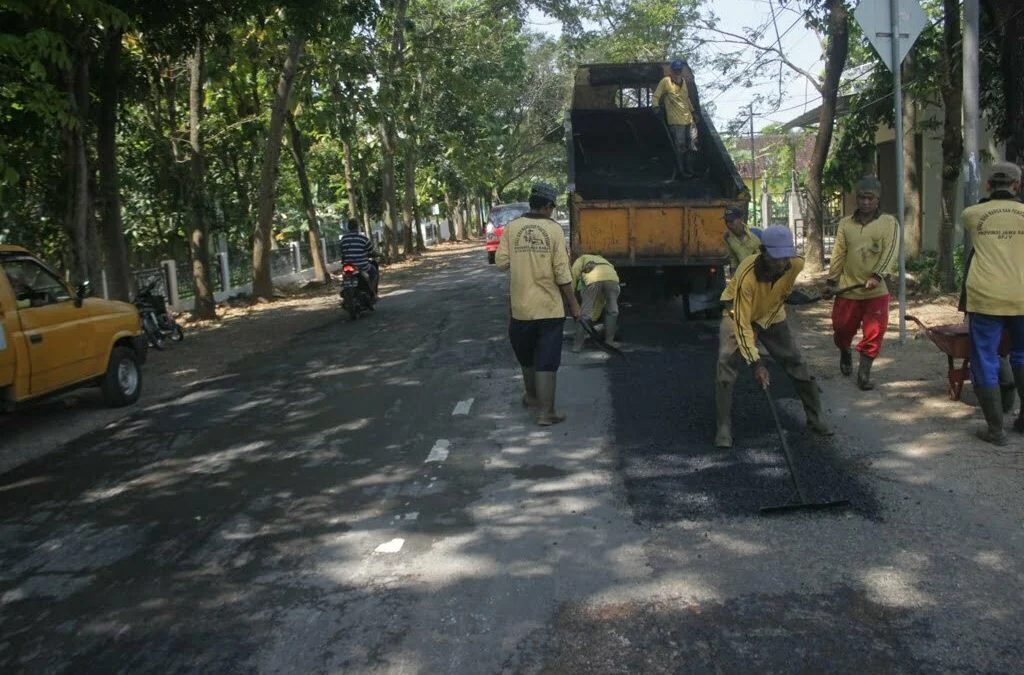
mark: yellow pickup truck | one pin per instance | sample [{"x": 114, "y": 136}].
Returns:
[{"x": 54, "y": 339}]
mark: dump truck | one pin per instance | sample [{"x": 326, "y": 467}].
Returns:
[{"x": 628, "y": 198}]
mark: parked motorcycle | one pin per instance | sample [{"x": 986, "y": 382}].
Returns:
[
  {"x": 356, "y": 294},
  {"x": 157, "y": 321}
]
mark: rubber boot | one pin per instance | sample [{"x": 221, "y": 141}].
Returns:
[
  {"x": 530, "y": 385},
  {"x": 1018, "y": 378},
  {"x": 809, "y": 396},
  {"x": 991, "y": 402},
  {"x": 547, "y": 382},
  {"x": 864, "y": 373},
  {"x": 723, "y": 415},
  {"x": 578, "y": 339},
  {"x": 1006, "y": 386},
  {"x": 611, "y": 326},
  {"x": 845, "y": 362}
]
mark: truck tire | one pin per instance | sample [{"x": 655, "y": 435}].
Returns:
[{"x": 122, "y": 385}]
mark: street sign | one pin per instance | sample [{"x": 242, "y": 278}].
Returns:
[{"x": 875, "y": 20}]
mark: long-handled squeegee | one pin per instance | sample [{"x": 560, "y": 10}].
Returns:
[{"x": 800, "y": 502}]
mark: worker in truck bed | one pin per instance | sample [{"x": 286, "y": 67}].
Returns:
[
  {"x": 754, "y": 304},
  {"x": 678, "y": 111}
]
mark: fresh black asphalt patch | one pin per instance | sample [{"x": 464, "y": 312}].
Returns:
[{"x": 664, "y": 409}]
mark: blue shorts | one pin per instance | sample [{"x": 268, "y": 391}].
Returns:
[{"x": 537, "y": 344}]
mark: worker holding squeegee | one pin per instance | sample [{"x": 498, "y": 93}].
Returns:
[
  {"x": 865, "y": 252},
  {"x": 753, "y": 303}
]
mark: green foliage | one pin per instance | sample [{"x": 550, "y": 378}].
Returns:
[{"x": 926, "y": 273}]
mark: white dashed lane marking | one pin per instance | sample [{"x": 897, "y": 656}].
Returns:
[
  {"x": 462, "y": 407},
  {"x": 393, "y": 546},
  {"x": 439, "y": 452}
]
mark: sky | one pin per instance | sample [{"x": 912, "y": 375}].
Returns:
[{"x": 799, "y": 44}]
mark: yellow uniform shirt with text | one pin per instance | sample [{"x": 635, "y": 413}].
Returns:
[
  {"x": 677, "y": 101},
  {"x": 534, "y": 248},
  {"x": 862, "y": 251},
  {"x": 603, "y": 270},
  {"x": 995, "y": 281},
  {"x": 756, "y": 302}
]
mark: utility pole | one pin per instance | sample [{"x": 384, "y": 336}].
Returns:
[
  {"x": 897, "y": 76},
  {"x": 753, "y": 167},
  {"x": 971, "y": 96}
]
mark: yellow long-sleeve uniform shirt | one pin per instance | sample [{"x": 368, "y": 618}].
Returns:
[
  {"x": 603, "y": 270},
  {"x": 741, "y": 249},
  {"x": 757, "y": 302},
  {"x": 533, "y": 247},
  {"x": 677, "y": 102},
  {"x": 995, "y": 281},
  {"x": 863, "y": 251}
]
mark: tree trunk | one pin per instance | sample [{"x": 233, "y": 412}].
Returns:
[
  {"x": 262, "y": 281},
  {"x": 119, "y": 278},
  {"x": 452, "y": 215},
  {"x": 952, "y": 141},
  {"x": 838, "y": 36},
  {"x": 389, "y": 186},
  {"x": 78, "y": 95},
  {"x": 199, "y": 243},
  {"x": 1007, "y": 15},
  {"x": 316, "y": 248},
  {"x": 911, "y": 160},
  {"x": 421, "y": 245},
  {"x": 409, "y": 203},
  {"x": 94, "y": 255},
  {"x": 353, "y": 206}
]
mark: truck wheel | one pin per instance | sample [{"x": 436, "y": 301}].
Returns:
[
  {"x": 122, "y": 385},
  {"x": 490, "y": 257}
]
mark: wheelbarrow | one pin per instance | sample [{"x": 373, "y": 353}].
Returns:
[{"x": 953, "y": 340}]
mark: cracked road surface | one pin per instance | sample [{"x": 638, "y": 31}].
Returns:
[{"x": 374, "y": 499}]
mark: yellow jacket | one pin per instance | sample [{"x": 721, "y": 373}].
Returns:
[
  {"x": 603, "y": 271},
  {"x": 677, "y": 106},
  {"x": 756, "y": 302},
  {"x": 863, "y": 251},
  {"x": 741, "y": 249},
  {"x": 995, "y": 279}
]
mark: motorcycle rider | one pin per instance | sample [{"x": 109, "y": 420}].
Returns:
[{"x": 357, "y": 249}]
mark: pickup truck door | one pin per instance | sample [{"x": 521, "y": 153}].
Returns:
[{"x": 57, "y": 333}]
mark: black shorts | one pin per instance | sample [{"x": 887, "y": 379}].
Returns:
[{"x": 537, "y": 344}]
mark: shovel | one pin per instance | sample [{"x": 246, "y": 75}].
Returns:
[
  {"x": 800, "y": 502},
  {"x": 604, "y": 346},
  {"x": 801, "y": 298}
]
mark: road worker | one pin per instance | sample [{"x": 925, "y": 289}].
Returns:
[
  {"x": 740, "y": 240},
  {"x": 865, "y": 252},
  {"x": 598, "y": 283},
  {"x": 678, "y": 112},
  {"x": 753, "y": 301},
  {"x": 995, "y": 294},
  {"x": 533, "y": 247}
]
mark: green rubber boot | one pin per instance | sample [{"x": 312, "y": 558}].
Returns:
[
  {"x": 578, "y": 339},
  {"x": 864, "y": 373},
  {"x": 530, "y": 385},
  {"x": 809, "y": 396},
  {"x": 547, "y": 383},
  {"x": 723, "y": 415},
  {"x": 990, "y": 399},
  {"x": 611, "y": 327}
]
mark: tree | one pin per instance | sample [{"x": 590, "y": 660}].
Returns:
[
  {"x": 1008, "y": 17},
  {"x": 298, "y": 157},
  {"x": 952, "y": 140},
  {"x": 830, "y": 20}
]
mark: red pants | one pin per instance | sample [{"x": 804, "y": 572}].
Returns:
[{"x": 849, "y": 315}]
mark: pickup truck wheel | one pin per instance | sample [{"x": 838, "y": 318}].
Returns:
[{"x": 122, "y": 385}]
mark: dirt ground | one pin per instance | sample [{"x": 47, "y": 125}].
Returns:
[{"x": 907, "y": 426}]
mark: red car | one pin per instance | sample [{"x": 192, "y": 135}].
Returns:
[{"x": 500, "y": 216}]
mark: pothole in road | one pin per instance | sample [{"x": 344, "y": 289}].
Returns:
[{"x": 538, "y": 472}]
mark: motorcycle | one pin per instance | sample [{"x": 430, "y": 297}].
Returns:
[
  {"x": 157, "y": 321},
  {"x": 356, "y": 294}
]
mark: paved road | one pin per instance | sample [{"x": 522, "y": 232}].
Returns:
[{"x": 374, "y": 500}]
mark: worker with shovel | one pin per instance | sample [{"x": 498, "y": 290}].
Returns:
[
  {"x": 740, "y": 240},
  {"x": 754, "y": 301},
  {"x": 864, "y": 254},
  {"x": 598, "y": 283}
]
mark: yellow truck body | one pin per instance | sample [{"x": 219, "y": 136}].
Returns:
[{"x": 630, "y": 198}]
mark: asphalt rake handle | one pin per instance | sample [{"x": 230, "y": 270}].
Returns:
[{"x": 801, "y": 503}]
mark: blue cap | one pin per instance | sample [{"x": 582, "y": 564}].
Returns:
[
  {"x": 778, "y": 241},
  {"x": 677, "y": 65}
]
